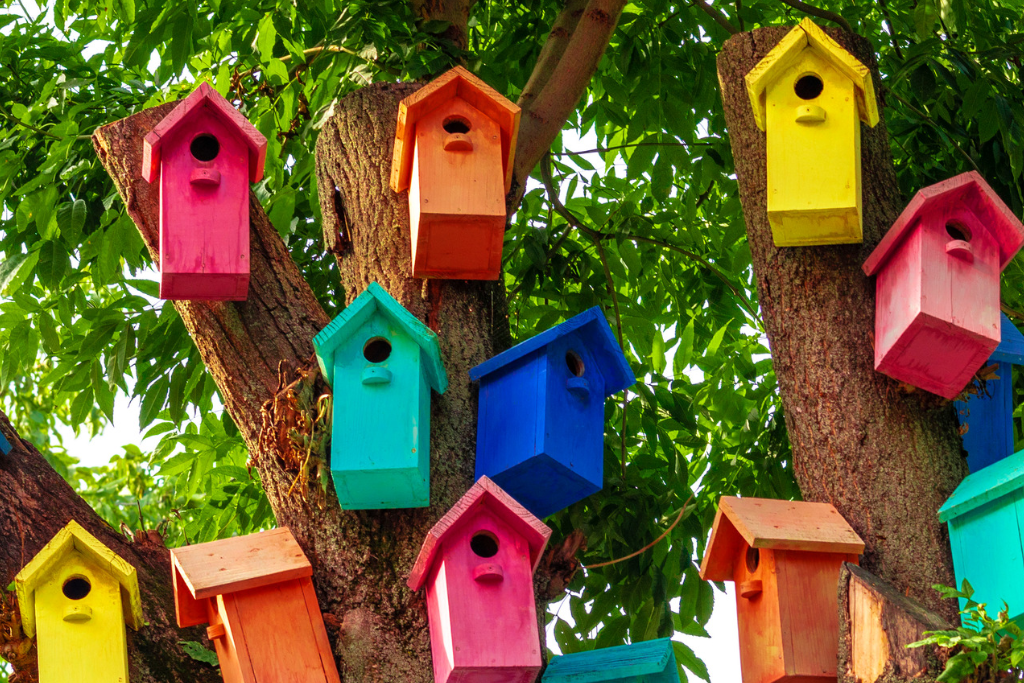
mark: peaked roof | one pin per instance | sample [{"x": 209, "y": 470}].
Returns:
[
  {"x": 375, "y": 300},
  {"x": 74, "y": 538},
  {"x": 483, "y": 494},
  {"x": 985, "y": 485},
  {"x": 597, "y": 336},
  {"x": 207, "y": 570},
  {"x": 965, "y": 189},
  {"x": 787, "y": 52},
  {"x": 620, "y": 663},
  {"x": 1011, "y": 344},
  {"x": 203, "y": 96},
  {"x": 458, "y": 82},
  {"x": 776, "y": 525}
]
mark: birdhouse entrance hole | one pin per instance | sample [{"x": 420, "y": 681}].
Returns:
[
  {"x": 456, "y": 124},
  {"x": 753, "y": 559},
  {"x": 205, "y": 147},
  {"x": 76, "y": 588},
  {"x": 958, "y": 231},
  {"x": 808, "y": 86},
  {"x": 484, "y": 544},
  {"x": 377, "y": 350},
  {"x": 574, "y": 362}
]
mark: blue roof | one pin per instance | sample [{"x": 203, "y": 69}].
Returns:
[
  {"x": 375, "y": 300},
  {"x": 597, "y": 336},
  {"x": 985, "y": 485},
  {"x": 1011, "y": 346},
  {"x": 621, "y": 663}
]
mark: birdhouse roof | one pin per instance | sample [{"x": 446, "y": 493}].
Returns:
[
  {"x": 458, "y": 82},
  {"x": 74, "y": 538},
  {"x": 375, "y": 300},
  {"x": 1011, "y": 344},
  {"x": 969, "y": 190},
  {"x": 985, "y": 485},
  {"x": 203, "y": 97},
  {"x": 483, "y": 494},
  {"x": 786, "y": 53},
  {"x": 774, "y": 525},
  {"x": 597, "y": 336},
  {"x": 620, "y": 663}
]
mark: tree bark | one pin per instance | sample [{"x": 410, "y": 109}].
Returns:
[{"x": 886, "y": 459}]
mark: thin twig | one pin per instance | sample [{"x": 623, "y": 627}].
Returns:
[
  {"x": 647, "y": 547},
  {"x": 1012, "y": 312},
  {"x": 892, "y": 29},
  {"x": 35, "y": 129},
  {"x": 717, "y": 16},
  {"x": 828, "y": 15},
  {"x": 632, "y": 144},
  {"x": 930, "y": 122}
]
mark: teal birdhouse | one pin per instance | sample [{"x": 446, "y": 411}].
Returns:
[
  {"x": 652, "y": 661},
  {"x": 381, "y": 363}
]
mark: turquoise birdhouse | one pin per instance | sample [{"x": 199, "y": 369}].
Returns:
[
  {"x": 381, "y": 363},
  {"x": 985, "y": 535},
  {"x": 652, "y": 661},
  {"x": 987, "y": 416}
]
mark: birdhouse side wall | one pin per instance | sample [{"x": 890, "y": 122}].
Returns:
[
  {"x": 510, "y": 417},
  {"x": 231, "y": 648},
  {"x": 757, "y": 618},
  {"x": 204, "y": 225},
  {"x": 81, "y": 640},
  {"x": 988, "y": 419}
]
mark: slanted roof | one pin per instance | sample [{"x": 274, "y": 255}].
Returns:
[
  {"x": 598, "y": 338},
  {"x": 775, "y": 525},
  {"x": 203, "y": 96},
  {"x": 483, "y": 494},
  {"x": 985, "y": 485},
  {"x": 375, "y": 300},
  {"x": 787, "y": 52},
  {"x": 460, "y": 83},
  {"x": 1011, "y": 343},
  {"x": 74, "y": 538},
  {"x": 968, "y": 190},
  {"x": 626, "y": 663},
  {"x": 207, "y": 570}
]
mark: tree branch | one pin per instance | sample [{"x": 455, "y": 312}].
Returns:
[
  {"x": 717, "y": 16},
  {"x": 825, "y": 14},
  {"x": 554, "y": 47}
]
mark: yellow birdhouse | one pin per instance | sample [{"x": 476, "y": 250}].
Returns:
[
  {"x": 76, "y": 596},
  {"x": 809, "y": 95}
]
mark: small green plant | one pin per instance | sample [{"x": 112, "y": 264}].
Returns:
[{"x": 984, "y": 650}]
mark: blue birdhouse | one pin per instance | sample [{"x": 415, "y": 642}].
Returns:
[
  {"x": 381, "y": 363},
  {"x": 5, "y": 445},
  {"x": 652, "y": 661},
  {"x": 985, "y": 534},
  {"x": 988, "y": 416},
  {"x": 540, "y": 430}
]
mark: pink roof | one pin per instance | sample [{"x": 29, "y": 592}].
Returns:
[
  {"x": 484, "y": 493},
  {"x": 967, "y": 188},
  {"x": 203, "y": 96}
]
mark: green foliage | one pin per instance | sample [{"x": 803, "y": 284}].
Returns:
[
  {"x": 199, "y": 653},
  {"x": 985, "y": 649}
]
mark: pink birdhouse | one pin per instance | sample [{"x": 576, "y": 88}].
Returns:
[
  {"x": 205, "y": 154},
  {"x": 937, "y": 292},
  {"x": 477, "y": 564}
]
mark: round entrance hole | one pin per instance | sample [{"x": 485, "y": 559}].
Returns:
[
  {"x": 753, "y": 559},
  {"x": 574, "y": 363},
  {"x": 456, "y": 124},
  {"x": 484, "y": 544},
  {"x": 377, "y": 350},
  {"x": 205, "y": 147},
  {"x": 808, "y": 87},
  {"x": 76, "y": 588},
  {"x": 958, "y": 231}
]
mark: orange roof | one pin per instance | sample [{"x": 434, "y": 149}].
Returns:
[{"x": 776, "y": 525}]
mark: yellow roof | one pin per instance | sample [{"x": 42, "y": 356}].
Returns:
[
  {"x": 785, "y": 54},
  {"x": 70, "y": 538}
]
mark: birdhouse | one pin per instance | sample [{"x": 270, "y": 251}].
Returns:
[
  {"x": 255, "y": 593},
  {"x": 540, "y": 428},
  {"x": 986, "y": 418},
  {"x": 454, "y": 147},
  {"x": 652, "y": 661},
  {"x": 809, "y": 95},
  {"x": 381, "y": 363},
  {"x": 937, "y": 291},
  {"x": 204, "y": 154},
  {"x": 477, "y": 564},
  {"x": 784, "y": 558},
  {"x": 5, "y": 445},
  {"x": 75, "y": 597}
]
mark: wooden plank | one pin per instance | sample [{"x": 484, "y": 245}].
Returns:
[
  {"x": 808, "y": 611},
  {"x": 316, "y": 619},
  {"x": 791, "y": 525},
  {"x": 187, "y": 610},
  {"x": 652, "y": 661},
  {"x": 232, "y": 650},
  {"x": 241, "y": 563},
  {"x": 984, "y": 486},
  {"x": 758, "y": 620}
]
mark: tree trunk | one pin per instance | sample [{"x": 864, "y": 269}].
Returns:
[{"x": 886, "y": 459}]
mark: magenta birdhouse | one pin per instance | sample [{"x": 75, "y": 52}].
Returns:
[
  {"x": 477, "y": 564},
  {"x": 937, "y": 292},
  {"x": 205, "y": 154}
]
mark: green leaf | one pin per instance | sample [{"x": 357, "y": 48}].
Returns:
[
  {"x": 199, "y": 653},
  {"x": 71, "y": 219},
  {"x": 266, "y": 37},
  {"x": 53, "y": 264},
  {"x": 15, "y": 270},
  {"x": 686, "y": 657}
]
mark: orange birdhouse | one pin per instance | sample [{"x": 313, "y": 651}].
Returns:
[
  {"x": 454, "y": 147},
  {"x": 784, "y": 557},
  {"x": 256, "y": 594}
]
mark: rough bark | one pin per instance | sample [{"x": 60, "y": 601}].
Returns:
[{"x": 886, "y": 459}]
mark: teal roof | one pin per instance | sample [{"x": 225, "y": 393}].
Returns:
[
  {"x": 622, "y": 663},
  {"x": 1011, "y": 345},
  {"x": 376, "y": 301},
  {"x": 985, "y": 485}
]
